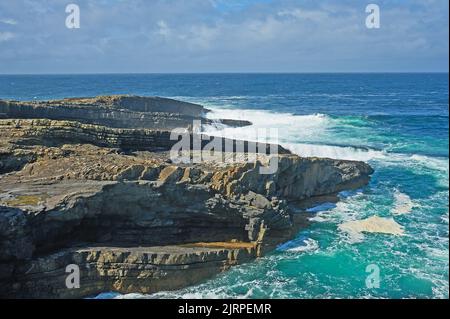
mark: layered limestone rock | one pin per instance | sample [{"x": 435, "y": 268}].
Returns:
[
  {"x": 56, "y": 133},
  {"x": 144, "y": 269},
  {"x": 135, "y": 221},
  {"x": 120, "y": 111}
]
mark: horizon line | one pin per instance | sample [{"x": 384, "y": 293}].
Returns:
[{"x": 225, "y": 73}]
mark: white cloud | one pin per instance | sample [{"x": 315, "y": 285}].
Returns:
[
  {"x": 216, "y": 35},
  {"x": 296, "y": 13},
  {"x": 8, "y": 21},
  {"x": 163, "y": 29},
  {"x": 5, "y": 36}
]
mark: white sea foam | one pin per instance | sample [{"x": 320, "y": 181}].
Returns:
[
  {"x": 445, "y": 218},
  {"x": 321, "y": 207},
  {"x": 338, "y": 152},
  {"x": 131, "y": 296},
  {"x": 319, "y": 218},
  {"x": 402, "y": 204},
  {"x": 164, "y": 295},
  {"x": 432, "y": 162},
  {"x": 289, "y": 126},
  {"x": 309, "y": 245},
  {"x": 299, "y": 245},
  {"x": 342, "y": 211},
  {"x": 296, "y": 132},
  {"x": 374, "y": 224}
]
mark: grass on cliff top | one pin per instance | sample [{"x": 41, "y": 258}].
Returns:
[{"x": 24, "y": 200}]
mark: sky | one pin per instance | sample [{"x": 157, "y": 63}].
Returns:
[{"x": 190, "y": 36}]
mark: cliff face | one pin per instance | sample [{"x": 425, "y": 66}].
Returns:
[
  {"x": 57, "y": 133},
  {"x": 135, "y": 221},
  {"x": 119, "y": 111}
]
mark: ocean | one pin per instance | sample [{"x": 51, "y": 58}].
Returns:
[{"x": 396, "y": 122}]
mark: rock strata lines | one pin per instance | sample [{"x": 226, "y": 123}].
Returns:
[{"x": 111, "y": 201}]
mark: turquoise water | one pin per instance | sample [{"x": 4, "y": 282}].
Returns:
[{"x": 396, "y": 122}]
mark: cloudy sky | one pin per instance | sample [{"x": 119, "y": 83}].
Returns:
[{"x": 128, "y": 36}]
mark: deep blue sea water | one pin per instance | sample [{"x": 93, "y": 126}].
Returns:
[{"x": 397, "y": 122}]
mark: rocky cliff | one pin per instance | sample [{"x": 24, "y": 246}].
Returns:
[
  {"x": 135, "y": 221},
  {"x": 56, "y": 133},
  {"x": 119, "y": 111}
]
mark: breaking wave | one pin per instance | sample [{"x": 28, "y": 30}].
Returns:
[
  {"x": 299, "y": 245},
  {"x": 301, "y": 133}
]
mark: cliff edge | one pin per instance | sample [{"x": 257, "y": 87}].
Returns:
[{"x": 110, "y": 201}]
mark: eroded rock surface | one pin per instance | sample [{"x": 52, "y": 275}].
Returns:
[
  {"x": 57, "y": 133},
  {"x": 119, "y": 111},
  {"x": 135, "y": 221}
]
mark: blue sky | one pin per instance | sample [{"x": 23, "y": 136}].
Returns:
[{"x": 128, "y": 36}]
